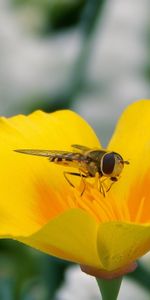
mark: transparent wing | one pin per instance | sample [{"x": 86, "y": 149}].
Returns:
[
  {"x": 64, "y": 158},
  {"x": 81, "y": 147},
  {"x": 38, "y": 152}
]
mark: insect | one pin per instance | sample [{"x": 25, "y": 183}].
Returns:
[{"x": 89, "y": 162}]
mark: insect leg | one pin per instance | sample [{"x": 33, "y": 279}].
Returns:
[
  {"x": 99, "y": 184},
  {"x": 74, "y": 174},
  {"x": 114, "y": 179},
  {"x": 97, "y": 181},
  {"x": 83, "y": 176},
  {"x": 103, "y": 187}
]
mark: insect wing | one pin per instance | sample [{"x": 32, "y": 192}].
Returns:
[
  {"x": 57, "y": 156},
  {"x": 95, "y": 155},
  {"x": 81, "y": 147},
  {"x": 38, "y": 152}
]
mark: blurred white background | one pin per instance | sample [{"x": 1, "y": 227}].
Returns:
[
  {"x": 115, "y": 73},
  {"x": 79, "y": 285}
]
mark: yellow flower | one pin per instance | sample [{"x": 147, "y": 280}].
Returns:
[{"x": 39, "y": 208}]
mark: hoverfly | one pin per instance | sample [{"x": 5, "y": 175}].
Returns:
[{"x": 89, "y": 162}]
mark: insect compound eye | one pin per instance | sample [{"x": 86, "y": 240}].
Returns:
[{"x": 108, "y": 163}]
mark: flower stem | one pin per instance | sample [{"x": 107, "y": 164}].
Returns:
[{"x": 109, "y": 288}]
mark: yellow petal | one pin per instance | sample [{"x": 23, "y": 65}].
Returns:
[
  {"x": 71, "y": 236},
  {"x": 27, "y": 199},
  {"x": 132, "y": 140},
  {"x": 119, "y": 244}
]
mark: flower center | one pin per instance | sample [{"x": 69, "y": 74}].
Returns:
[{"x": 103, "y": 209}]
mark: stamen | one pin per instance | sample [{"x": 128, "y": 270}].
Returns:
[
  {"x": 140, "y": 210},
  {"x": 92, "y": 201}
]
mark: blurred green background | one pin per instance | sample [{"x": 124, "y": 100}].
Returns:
[{"x": 91, "y": 56}]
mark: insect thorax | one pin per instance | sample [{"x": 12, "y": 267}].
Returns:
[{"x": 93, "y": 168}]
